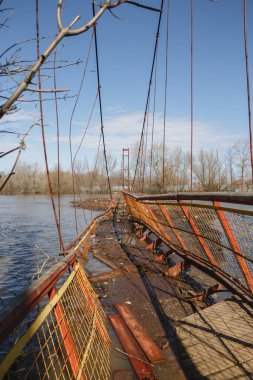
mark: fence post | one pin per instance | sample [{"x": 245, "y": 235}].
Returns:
[
  {"x": 67, "y": 338},
  {"x": 159, "y": 228},
  {"x": 170, "y": 223},
  {"x": 197, "y": 233},
  {"x": 91, "y": 300},
  {"x": 234, "y": 244}
]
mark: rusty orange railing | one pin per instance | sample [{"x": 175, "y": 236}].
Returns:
[
  {"x": 212, "y": 230},
  {"x": 56, "y": 329}
]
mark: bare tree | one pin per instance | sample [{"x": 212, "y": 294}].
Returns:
[
  {"x": 230, "y": 164},
  {"x": 242, "y": 158},
  {"x": 64, "y": 31},
  {"x": 156, "y": 167},
  {"x": 100, "y": 179},
  {"x": 29, "y": 68},
  {"x": 209, "y": 171},
  {"x": 177, "y": 169}
]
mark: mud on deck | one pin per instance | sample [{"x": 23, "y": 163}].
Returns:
[{"x": 159, "y": 302}]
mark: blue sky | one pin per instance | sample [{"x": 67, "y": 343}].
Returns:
[{"x": 125, "y": 54}]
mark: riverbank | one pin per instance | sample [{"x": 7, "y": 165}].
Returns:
[
  {"x": 89, "y": 202},
  {"x": 97, "y": 204}
]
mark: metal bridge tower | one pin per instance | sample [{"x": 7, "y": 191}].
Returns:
[{"x": 125, "y": 169}]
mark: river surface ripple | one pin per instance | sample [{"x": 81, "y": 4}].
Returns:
[{"x": 29, "y": 241}]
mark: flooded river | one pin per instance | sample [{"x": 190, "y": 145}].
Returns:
[{"x": 28, "y": 238}]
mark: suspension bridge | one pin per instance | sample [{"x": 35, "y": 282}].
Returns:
[{"x": 174, "y": 298}]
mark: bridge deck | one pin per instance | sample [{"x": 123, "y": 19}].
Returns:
[
  {"x": 203, "y": 342},
  {"x": 218, "y": 341}
]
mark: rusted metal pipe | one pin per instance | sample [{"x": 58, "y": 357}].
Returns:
[{"x": 242, "y": 198}]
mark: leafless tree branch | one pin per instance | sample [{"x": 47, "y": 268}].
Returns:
[
  {"x": 21, "y": 147},
  {"x": 22, "y": 42},
  {"x": 117, "y": 3},
  {"x": 44, "y": 100},
  {"x": 4, "y": 23},
  {"x": 63, "y": 32},
  {"x": 51, "y": 90},
  {"x": 9, "y": 151}
]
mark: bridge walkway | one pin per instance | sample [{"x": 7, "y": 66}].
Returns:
[
  {"x": 218, "y": 341},
  {"x": 199, "y": 341}
]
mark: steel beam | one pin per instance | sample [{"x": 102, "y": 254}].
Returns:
[
  {"x": 177, "y": 269},
  {"x": 201, "y": 296},
  {"x": 242, "y": 198}
]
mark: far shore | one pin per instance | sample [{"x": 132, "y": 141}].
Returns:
[{"x": 98, "y": 204}]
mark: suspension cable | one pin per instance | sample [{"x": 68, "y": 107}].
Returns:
[
  {"x": 95, "y": 167},
  {"x": 248, "y": 84},
  {"x": 77, "y": 151},
  {"x": 165, "y": 92},
  {"x": 43, "y": 132},
  {"x": 95, "y": 164},
  {"x": 86, "y": 128},
  {"x": 58, "y": 141},
  {"x": 140, "y": 166},
  {"x": 145, "y": 141},
  {"x": 100, "y": 104},
  {"x": 153, "y": 127},
  {"x": 70, "y": 131},
  {"x": 149, "y": 89},
  {"x": 70, "y": 134},
  {"x": 192, "y": 126}
]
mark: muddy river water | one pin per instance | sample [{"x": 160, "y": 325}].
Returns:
[{"x": 28, "y": 238}]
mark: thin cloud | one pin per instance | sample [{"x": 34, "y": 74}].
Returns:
[
  {"x": 20, "y": 116},
  {"x": 124, "y": 129}
]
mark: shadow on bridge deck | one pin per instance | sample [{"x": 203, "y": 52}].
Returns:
[
  {"x": 200, "y": 342},
  {"x": 218, "y": 341}
]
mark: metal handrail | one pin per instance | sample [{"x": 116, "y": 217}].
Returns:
[
  {"x": 211, "y": 235},
  {"x": 64, "y": 329},
  {"x": 236, "y": 198},
  {"x": 16, "y": 311}
]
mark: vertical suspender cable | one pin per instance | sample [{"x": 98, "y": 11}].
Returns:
[
  {"x": 149, "y": 89},
  {"x": 248, "y": 85},
  {"x": 43, "y": 132},
  {"x": 165, "y": 93},
  {"x": 141, "y": 164},
  {"x": 191, "y": 152},
  {"x": 145, "y": 152},
  {"x": 58, "y": 142},
  {"x": 72, "y": 161},
  {"x": 95, "y": 165},
  {"x": 122, "y": 169},
  {"x": 153, "y": 126},
  {"x": 100, "y": 104}
]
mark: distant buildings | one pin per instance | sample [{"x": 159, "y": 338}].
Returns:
[{"x": 245, "y": 186}]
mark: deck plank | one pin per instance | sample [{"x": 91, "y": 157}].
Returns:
[
  {"x": 136, "y": 356},
  {"x": 149, "y": 347},
  {"x": 218, "y": 341}
]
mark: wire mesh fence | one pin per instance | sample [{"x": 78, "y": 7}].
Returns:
[
  {"x": 67, "y": 340},
  {"x": 219, "y": 235},
  {"x": 58, "y": 327}
]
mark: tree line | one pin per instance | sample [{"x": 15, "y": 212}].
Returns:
[{"x": 213, "y": 171}]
